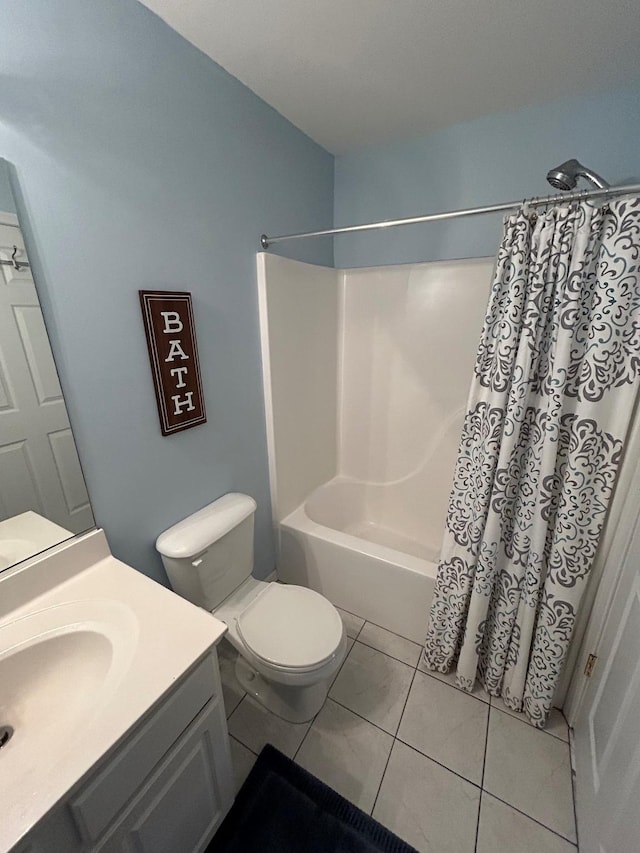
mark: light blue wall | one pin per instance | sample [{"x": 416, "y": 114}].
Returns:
[
  {"x": 140, "y": 163},
  {"x": 7, "y": 203},
  {"x": 497, "y": 158}
]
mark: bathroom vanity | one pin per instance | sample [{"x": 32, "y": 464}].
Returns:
[{"x": 111, "y": 695}]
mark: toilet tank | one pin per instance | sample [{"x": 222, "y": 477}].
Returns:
[{"x": 210, "y": 553}]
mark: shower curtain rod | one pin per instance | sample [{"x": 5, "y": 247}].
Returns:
[{"x": 541, "y": 201}]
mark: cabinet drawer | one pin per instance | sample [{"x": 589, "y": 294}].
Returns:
[
  {"x": 107, "y": 793},
  {"x": 185, "y": 800}
]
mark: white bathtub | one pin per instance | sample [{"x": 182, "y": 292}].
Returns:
[{"x": 337, "y": 543}]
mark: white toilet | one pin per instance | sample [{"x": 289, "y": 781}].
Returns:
[{"x": 291, "y": 639}]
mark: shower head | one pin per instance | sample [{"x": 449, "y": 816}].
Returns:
[{"x": 564, "y": 177}]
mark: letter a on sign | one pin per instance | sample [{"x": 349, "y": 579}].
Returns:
[{"x": 173, "y": 353}]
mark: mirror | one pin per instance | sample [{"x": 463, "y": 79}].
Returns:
[{"x": 43, "y": 496}]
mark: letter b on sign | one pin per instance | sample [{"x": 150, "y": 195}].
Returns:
[{"x": 172, "y": 322}]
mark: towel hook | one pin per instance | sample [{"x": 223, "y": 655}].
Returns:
[{"x": 14, "y": 261}]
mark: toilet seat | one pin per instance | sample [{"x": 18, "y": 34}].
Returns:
[{"x": 291, "y": 627}]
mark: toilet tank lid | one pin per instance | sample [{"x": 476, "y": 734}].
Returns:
[{"x": 197, "y": 532}]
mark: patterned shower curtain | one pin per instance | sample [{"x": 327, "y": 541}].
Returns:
[{"x": 555, "y": 382}]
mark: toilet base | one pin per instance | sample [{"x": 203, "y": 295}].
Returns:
[{"x": 294, "y": 704}]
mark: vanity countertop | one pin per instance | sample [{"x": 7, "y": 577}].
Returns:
[{"x": 86, "y": 651}]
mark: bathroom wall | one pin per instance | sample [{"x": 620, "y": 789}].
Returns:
[
  {"x": 408, "y": 342},
  {"x": 7, "y": 203},
  {"x": 498, "y": 158},
  {"x": 299, "y": 328},
  {"x": 140, "y": 163}
]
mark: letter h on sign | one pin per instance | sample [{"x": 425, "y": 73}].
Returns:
[{"x": 173, "y": 353}]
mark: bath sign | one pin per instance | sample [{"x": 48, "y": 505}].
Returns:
[{"x": 171, "y": 339}]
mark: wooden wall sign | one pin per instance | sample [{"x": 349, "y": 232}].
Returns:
[{"x": 173, "y": 352}]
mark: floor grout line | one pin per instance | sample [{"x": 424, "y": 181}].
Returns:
[
  {"x": 395, "y": 634},
  {"x": 453, "y": 686},
  {"x": 382, "y": 628},
  {"x": 237, "y": 706},
  {"x": 395, "y": 738},
  {"x": 439, "y": 763},
  {"x": 339, "y": 670},
  {"x": 360, "y": 717},
  {"x": 234, "y": 707},
  {"x": 527, "y": 723},
  {"x": 515, "y": 808},
  {"x": 333, "y": 681},
  {"x": 484, "y": 764},
  {"x": 388, "y": 654},
  {"x": 229, "y": 720},
  {"x": 534, "y": 819},
  {"x": 572, "y": 756},
  {"x": 359, "y": 629},
  {"x": 237, "y": 740},
  {"x": 315, "y": 717},
  {"x": 404, "y": 742}
]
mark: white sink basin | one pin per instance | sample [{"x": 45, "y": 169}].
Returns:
[{"x": 57, "y": 668}]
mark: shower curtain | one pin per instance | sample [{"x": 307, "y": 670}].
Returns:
[{"x": 555, "y": 382}]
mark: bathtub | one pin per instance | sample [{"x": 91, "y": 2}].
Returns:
[{"x": 339, "y": 543}]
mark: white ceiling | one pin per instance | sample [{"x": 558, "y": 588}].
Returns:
[{"x": 352, "y": 73}]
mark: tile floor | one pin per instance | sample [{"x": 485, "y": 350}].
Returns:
[{"x": 447, "y": 771}]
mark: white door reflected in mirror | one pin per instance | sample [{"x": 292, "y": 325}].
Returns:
[{"x": 42, "y": 488}]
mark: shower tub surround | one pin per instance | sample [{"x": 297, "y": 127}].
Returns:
[{"x": 366, "y": 376}]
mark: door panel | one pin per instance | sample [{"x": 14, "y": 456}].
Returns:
[
  {"x": 35, "y": 343},
  {"x": 607, "y": 730},
  {"x": 39, "y": 465},
  {"x": 17, "y": 468}
]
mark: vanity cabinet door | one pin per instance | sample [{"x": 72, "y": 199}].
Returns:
[
  {"x": 115, "y": 785},
  {"x": 186, "y": 799}
]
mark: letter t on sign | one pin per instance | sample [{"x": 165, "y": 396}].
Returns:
[{"x": 171, "y": 339}]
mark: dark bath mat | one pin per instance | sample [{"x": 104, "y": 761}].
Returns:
[{"x": 281, "y": 808}]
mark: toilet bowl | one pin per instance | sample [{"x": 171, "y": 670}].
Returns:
[{"x": 290, "y": 640}]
